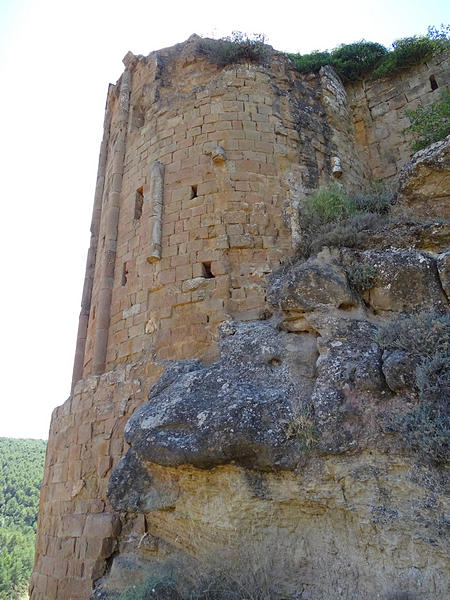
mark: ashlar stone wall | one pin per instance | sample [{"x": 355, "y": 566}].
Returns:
[{"x": 378, "y": 111}]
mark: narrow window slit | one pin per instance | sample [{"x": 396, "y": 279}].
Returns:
[
  {"x": 194, "y": 191},
  {"x": 124, "y": 273},
  {"x": 207, "y": 273},
  {"x": 433, "y": 83},
  {"x": 138, "y": 203}
]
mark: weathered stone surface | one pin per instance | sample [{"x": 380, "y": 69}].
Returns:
[
  {"x": 378, "y": 113},
  {"x": 349, "y": 385},
  {"x": 428, "y": 236},
  {"x": 424, "y": 183},
  {"x": 432, "y": 236},
  {"x": 325, "y": 528},
  {"x": 131, "y": 487},
  {"x": 102, "y": 525},
  {"x": 398, "y": 368},
  {"x": 443, "y": 266},
  {"x": 236, "y": 410},
  {"x": 405, "y": 281},
  {"x": 315, "y": 284}
]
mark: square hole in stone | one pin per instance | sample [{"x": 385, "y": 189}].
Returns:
[
  {"x": 207, "y": 273},
  {"x": 194, "y": 191}
]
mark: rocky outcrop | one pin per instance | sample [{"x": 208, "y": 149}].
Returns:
[
  {"x": 424, "y": 183},
  {"x": 404, "y": 281}
]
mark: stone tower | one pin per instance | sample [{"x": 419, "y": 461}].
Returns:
[{"x": 200, "y": 176}]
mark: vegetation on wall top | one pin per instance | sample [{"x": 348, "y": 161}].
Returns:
[
  {"x": 235, "y": 48},
  {"x": 351, "y": 61},
  {"x": 361, "y": 59}
]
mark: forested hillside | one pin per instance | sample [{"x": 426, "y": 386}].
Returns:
[{"x": 21, "y": 471}]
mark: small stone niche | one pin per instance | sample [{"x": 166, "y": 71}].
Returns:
[
  {"x": 433, "y": 83},
  {"x": 138, "y": 116},
  {"x": 194, "y": 189},
  {"x": 138, "y": 203},
  {"x": 124, "y": 273},
  {"x": 206, "y": 271}
]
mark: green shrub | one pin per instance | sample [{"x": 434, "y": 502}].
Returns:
[
  {"x": 328, "y": 205},
  {"x": 406, "y": 53},
  {"x": 361, "y": 277},
  {"x": 344, "y": 234},
  {"x": 430, "y": 123},
  {"x": 310, "y": 63},
  {"x": 378, "y": 199},
  {"x": 331, "y": 217},
  {"x": 235, "y": 48},
  {"x": 432, "y": 376},
  {"x": 354, "y": 61},
  {"x": 414, "y": 50},
  {"x": 351, "y": 61}
]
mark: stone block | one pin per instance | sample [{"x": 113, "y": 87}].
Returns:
[
  {"x": 102, "y": 525},
  {"x": 71, "y": 525},
  {"x": 241, "y": 241},
  {"x": 84, "y": 433},
  {"x": 51, "y": 588}
]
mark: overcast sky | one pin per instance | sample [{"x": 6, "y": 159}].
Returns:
[{"x": 56, "y": 60}]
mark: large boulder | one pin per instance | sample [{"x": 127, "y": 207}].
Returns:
[
  {"x": 405, "y": 281},
  {"x": 237, "y": 410},
  {"x": 318, "y": 283}
]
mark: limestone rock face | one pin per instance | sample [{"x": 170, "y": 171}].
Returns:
[
  {"x": 263, "y": 377},
  {"x": 424, "y": 182}
]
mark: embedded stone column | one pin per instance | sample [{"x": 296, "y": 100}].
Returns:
[
  {"x": 111, "y": 225},
  {"x": 156, "y": 198},
  {"x": 92, "y": 253}
]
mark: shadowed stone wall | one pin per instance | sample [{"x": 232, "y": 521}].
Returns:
[{"x": 378, "y": 110}]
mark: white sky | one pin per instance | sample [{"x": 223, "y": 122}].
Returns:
[{"x": 56, "y": 60}]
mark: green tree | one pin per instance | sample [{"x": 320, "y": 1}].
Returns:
[{"x": 21, "y": 472}]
